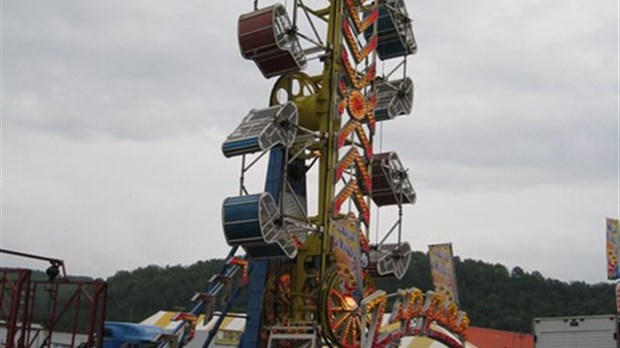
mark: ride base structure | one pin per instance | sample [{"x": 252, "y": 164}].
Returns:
[{"x": 309, "y": 259}]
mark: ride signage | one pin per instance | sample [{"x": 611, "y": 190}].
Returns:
[{"x": 613, "y": 249}]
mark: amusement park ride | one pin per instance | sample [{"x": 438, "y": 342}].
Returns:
[
  {"x": 308, "y": 259},
  {"x": 310, "y": 276}
]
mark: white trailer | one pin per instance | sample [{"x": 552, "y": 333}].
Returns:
[{"x": 583, "y": 331}]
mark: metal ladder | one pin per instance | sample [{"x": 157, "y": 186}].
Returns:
[{"x": 304, "y": 332}]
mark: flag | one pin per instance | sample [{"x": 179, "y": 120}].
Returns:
[
  {"x": 442, "y": 270},
  {"x": 613, "y": 242}
]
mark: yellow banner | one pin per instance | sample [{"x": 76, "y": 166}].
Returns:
[
  {"x": 442, "y": 270},
  {"x": 613, "y": 242}
]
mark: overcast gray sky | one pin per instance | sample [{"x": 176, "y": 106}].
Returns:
[{"x": 113, "y": 114}]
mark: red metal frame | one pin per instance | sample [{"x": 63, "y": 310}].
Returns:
[
  {"x": 14, "y": 306},
  {"x": 89, "y": 296},
  {"x": 76, "y": 306}
]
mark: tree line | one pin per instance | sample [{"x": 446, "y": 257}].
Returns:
[{"x": 491, "y": 294}]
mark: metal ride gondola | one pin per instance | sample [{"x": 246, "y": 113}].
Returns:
[{"x": 310, "y": 270}]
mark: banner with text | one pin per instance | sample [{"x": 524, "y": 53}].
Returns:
[
  {"x": 613, "y": 243},
  {"x": 442, "y": 270}
]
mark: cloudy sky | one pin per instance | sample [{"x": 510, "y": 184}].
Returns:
[{"x": 113, "y": 114}]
